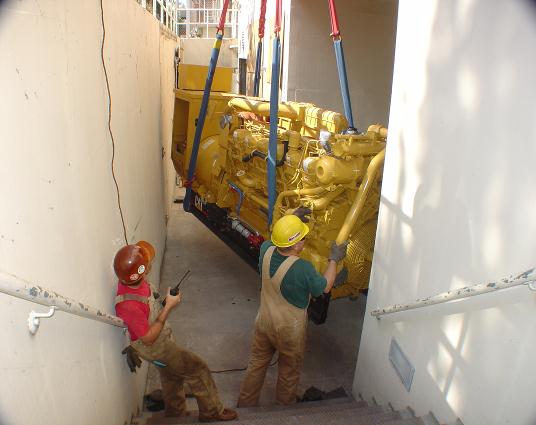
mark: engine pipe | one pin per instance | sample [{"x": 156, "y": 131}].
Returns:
[
  {"x": 274, "y": 107},
  {"x": 361, "y": 197},
  {"x": 322, "y": 202},
  {"x": 296, "y": 192},
  {"x": 262, "y": 107},
  {"x": 204, "y": 105},
  {"x": 240, "y": 195},
  {"x": 341, "y": 67}
]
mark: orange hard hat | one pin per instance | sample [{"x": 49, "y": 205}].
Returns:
[
  {"x": 130, "y": 264},
  {"x": 148, "y": 250}
]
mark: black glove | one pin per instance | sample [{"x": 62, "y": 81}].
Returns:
[
  {"x": 301, "y": 213},
  {"x": 338, "y": 252},
  {"x": 133, "y": 360}
]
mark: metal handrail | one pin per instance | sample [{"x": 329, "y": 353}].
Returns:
[
  {"x": 525, "y": 278},
  {"x": 20, "y": 288}
]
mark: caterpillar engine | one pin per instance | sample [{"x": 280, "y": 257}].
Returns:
[{"x": 336, "y": 175}]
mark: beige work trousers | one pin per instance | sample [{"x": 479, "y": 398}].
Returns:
[
  {"x": 281, "y": 327},
  {"x": 182, "y": 366},
  {"x": 291, "y": 351}
]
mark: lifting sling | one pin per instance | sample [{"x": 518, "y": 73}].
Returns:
[
  {"x": 274, "y": 110},
  {"x": 262, "y": 20},
  {"x": 341, "y": 66},
  {"x": 204, "y": 105}
]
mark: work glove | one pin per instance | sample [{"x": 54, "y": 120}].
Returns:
[
  {"x": 302, "y": 212},
  {"x": 338, "y": 252},
  {"x": 133, "y": 360}
]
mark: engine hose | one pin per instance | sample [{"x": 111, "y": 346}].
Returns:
[
  {"x": 263, "y": 156},
  {"x": 256, "y": 153}
]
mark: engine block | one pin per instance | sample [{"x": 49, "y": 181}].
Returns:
[{"x": 336, "y": 175}]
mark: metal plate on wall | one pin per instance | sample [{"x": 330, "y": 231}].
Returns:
[{"x": 400, "y": 362}]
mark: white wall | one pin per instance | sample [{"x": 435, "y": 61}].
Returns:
[
  {"x": 368, "y": 36},
  {"x": 59, "y": 222},
  {"x": 197, "y": 51},
  {"x": 457, "y": 208}
]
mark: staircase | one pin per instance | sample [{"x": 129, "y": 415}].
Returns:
[{"x": 339, "y": 411}]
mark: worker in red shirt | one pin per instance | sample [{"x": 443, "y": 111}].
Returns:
[{"x": 152, "y": 340}]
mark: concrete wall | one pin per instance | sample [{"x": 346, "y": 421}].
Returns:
[
  {"x": 457, "y": 208},
  {"x": 59, "y": 222},
  {"x": 197, "y": 51},
  {"x": 168, "y": 44},
  {"x": 368, "y": 32}
]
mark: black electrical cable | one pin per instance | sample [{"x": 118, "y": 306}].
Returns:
[
  {"x": 110, "y": 123},
  {"x": 241, "y": 369}
]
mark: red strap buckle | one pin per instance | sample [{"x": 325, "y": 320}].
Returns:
[{"x": 188, "y": 183}]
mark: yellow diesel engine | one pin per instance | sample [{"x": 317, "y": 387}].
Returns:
[{"x": 336, "y": 175}]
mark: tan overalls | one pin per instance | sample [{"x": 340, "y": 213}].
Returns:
[
  {"x": 180, "y": 365},
  {"x": 279, "y": 326}
]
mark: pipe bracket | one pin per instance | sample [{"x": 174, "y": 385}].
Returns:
[{"x": 34, "y": 319}]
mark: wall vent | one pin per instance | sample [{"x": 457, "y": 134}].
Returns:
[{"x": 400, "y": 362}]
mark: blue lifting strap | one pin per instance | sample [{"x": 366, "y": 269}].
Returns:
[
  {"x": 345, "y": 91},
  {"x": 341, "y": 66},
  {"x": 258, "y": 61},
  {"x": 201, "y": 120},
  {"x": 272, "y": 143}
]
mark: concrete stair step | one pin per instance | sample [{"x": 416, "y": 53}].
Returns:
[
  {"x": 374, "y": 415},
  {"x": 340, "y": 403},
  {"x": 309, "y": 407},
  {"x": 409, "y": 421},
  {"x": 305, "y": 405}
]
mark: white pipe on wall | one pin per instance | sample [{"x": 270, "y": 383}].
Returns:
[
  {"x": 524, "y": 278},
  {"x": 17, "y": 287}
]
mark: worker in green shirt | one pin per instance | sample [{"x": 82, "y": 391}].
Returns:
[{"x": 288, "y": 282}]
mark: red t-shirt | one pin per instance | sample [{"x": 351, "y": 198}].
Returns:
[{"x": 134, "y": 313}]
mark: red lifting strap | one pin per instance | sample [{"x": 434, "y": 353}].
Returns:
[
  {"x": 223, "y": 16},
  {"x": 262, "y": 19},
  {"x": 334, "y": 21},
  {"x": 277, "y": 26}
]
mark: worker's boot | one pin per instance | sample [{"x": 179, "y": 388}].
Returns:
[{"x": 225, "y": 415}]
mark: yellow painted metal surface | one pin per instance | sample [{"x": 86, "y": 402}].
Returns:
[
  {"x": 339, "y": 180},
  {"x": 193, "y": 77}
]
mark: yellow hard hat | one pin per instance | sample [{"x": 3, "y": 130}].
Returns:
[{"x": 288, "y": 230}]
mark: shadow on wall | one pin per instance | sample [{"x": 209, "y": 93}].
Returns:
[{"x": 477, "y": 136}]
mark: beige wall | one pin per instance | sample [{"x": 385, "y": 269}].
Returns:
[
  {"x": 168, "y": 44},
  {"x": 368, "y": 32},
  {"x": 59, "y": 221},
  {"x": 457, "y": 208}
]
